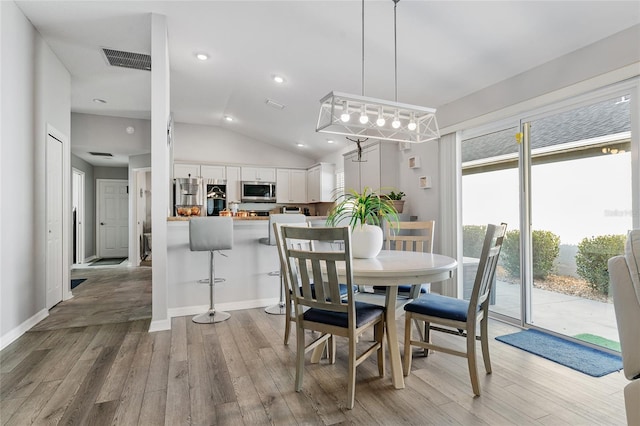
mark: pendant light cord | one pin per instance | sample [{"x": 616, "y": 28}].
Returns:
[
  {"x": 395, "y": 48},
  {"x": 362, "y": 47}
]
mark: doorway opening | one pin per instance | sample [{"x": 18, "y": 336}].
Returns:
[{"x": 77, "y": 216}]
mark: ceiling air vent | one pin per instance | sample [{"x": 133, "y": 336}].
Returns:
[
  {"x": 137, "y": 61},
  {"x": 274, "y": 104},
  {"x": 101, "y": 154}
]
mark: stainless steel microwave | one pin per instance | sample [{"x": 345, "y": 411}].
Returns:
[{"x": 258, "y": 192}]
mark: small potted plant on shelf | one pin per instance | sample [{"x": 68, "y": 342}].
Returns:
[
  {"x": 364, "y": 212},
  {"x": 396, "y": 200}
]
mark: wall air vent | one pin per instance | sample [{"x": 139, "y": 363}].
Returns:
[
  {"x": 119, "y": 58},
  {"x": 101, "y": 154}
]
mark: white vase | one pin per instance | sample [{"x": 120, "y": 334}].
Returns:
[{"x": 366, "y": 241}]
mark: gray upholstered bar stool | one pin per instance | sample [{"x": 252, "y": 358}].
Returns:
[{"x": 211, "y": 234}]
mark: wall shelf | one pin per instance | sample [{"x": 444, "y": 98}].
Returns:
[
  {"x": 414, "y": 162},
  {"x": 424, "y": 182}
]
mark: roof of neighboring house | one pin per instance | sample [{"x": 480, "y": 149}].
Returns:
[{"x": 596, "y": 120}]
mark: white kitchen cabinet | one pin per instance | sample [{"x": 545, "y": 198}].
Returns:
[
  {"x": 262, "y": 174},
  {"x": 378, "y": 168},
  {"x": 291, "y": 186},
  {"x": 233, "y": 184},
  {"x": 213, "y": 172},
  {"x": 321, "y": 183},
  {"x": 186, "y": 170}
]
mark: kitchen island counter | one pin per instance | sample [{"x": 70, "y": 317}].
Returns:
[
  {"x": 235, "y": 218},
  {"x": 250, "y": 269}
]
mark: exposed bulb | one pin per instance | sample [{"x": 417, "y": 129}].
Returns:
[
  {"x": 345, "y": 117},
  {"x": 380, "y": 121},
  {"x": 412, "y": 123},
  {"x": 396, "y": 121},
  {"x": 364, "y": 118}
]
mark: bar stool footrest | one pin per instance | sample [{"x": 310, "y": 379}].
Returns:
[{"x": 216, "y": 280}]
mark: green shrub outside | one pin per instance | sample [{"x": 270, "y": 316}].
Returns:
[
  {"x": 472, "y": 239},
  {"x": 510, "y": 254},
  {"x": 593, "y": 255},
  {"x": 546, "y": 247}
]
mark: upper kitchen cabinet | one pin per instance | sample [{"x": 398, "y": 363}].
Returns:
[
  {"x": 377, "y": 168},
  {"x": 320, "y": 183},
  {"x": 233, "y": 184},
  {"x": 186, "y": 170},
  {"x": 291, "y": 186},
  {"x": 262, "y": 174},
  {"x": 213, "y": 172}
]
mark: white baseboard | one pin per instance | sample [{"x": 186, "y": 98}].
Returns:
[
  {"x": 231, "y": 306},
  {"x": 12, "y": 335},
  {"x": 160, "y": 325}
]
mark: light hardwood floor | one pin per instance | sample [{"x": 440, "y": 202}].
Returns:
[{"x": 92, "y": 362}]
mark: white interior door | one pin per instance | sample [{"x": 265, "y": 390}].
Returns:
[
  {"x": 113, "y": 218},
  {"x": 54, "y": 273}
]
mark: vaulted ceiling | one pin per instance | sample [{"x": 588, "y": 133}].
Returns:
[{"x": 445, "y": 50}]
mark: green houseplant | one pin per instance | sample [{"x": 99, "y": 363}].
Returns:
[
  {"x": 364, "y": 212},
  {"x": 396, "y": 200}
]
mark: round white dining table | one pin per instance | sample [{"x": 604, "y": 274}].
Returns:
[{"x": 390, "y": 269}]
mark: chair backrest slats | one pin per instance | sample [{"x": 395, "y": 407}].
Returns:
[
  {"x": 281, "y": 253},
  {"x": 487, "y": 267},
  {"x": 420, "y": 238},
  {"x": 314, "y": 274}
]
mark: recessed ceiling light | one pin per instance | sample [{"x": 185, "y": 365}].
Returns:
[
  {"x": 330, "y": 141},
  {"x": 299, "y": 145},
  {"x": 99, "y": 101},
  {"x": 278, "y": 79},
  {"x": 202, "y": 56},
  {"x": 228, "y": 118}
]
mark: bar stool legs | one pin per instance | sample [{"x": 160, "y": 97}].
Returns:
[
  {"x": 278, "y": 308},
  {"x": 211, "y": 315}
]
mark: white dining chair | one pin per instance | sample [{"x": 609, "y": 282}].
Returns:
[{"x": 457, "y": 316}]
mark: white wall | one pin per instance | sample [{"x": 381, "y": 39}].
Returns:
[
  {"x": 208, "y": 144},
  {"x": 612, "y": 53},
  {"x": 161, "y": 164},
  {"x": 110, "y": 173},
  {"x": 35, "y": 89}
]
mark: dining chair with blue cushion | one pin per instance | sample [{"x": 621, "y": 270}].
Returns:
[
  {"x": 280, "y": 308},
  {"x": 456, "y": 316},
  {"x": 322, "y": 308},
  {"x": 288, "y": 290},
  {"x": 409, "y": 236}
]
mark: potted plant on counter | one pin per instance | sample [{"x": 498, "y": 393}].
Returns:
[
  {"x": 364, "y": 212},
  {"x": 396, "y": 200}
]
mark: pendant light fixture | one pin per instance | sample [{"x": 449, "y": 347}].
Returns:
[{"x": 393, "y": 121}]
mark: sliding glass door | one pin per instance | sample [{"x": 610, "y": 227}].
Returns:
[
  {"x": 562, "y": 182},
  {"x": 490, "y": 194},
  {"x": 580, "y": 211}
]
